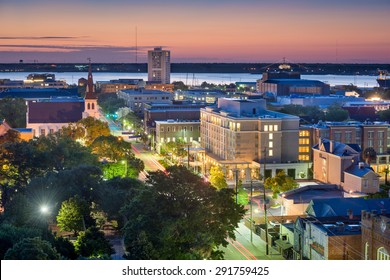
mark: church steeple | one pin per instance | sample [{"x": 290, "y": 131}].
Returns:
[{"x": 90, "y": 91}]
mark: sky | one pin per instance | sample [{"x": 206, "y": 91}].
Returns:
[{"x": 70, "y": 31}]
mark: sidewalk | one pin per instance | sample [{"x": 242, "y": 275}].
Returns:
[{"x": 256, "y": 248}]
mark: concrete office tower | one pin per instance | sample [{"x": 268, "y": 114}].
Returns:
[{"x": 159, "y": 66}]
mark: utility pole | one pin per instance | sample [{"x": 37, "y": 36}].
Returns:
[
  {"x": 265, "y": 204},
  {"x": 188, "y": 156},
  {"x": 251, "y": 212},
  {"x": 236, "y": 185}
]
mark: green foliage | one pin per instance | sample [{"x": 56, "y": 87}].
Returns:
[
  {"x": 65, "y": 248},
  {"x": 280, "y": 183},
  {"x": 369, "y": 155},
  {"x": 243, "y": 197},
  {"x": 32, "y": 249},
  {"x": 94, "y": 128},
  {"x": 92, "y": 244},
  {"x": 336, "y": 114},
  {"x": 10, "y": 235},
  {"x": 384, "y": 115},
  {"x": 71, "y": 215},
  {"x": 111, "y": 148},
  {"x": 217, "y": 177},
  {"x": 179, "y": 85},
  {"x": 11, "y": 136},
  {"x": 14, "y": 111},
  {"x": 179, "y": 216},
  {"x": 110, "y": 103},
  {"x": 312, "y": 113},
  {"x": 134, "y": 122}
]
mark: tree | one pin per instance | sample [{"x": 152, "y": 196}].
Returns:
[
  {"x": 178, "y": 215},
  {"x": 71, "y": 215},
  {"x": 243, "y": 197},
  {"x": 179, "y": 85},
  {"x": 111, "y": 148},
  {"x": 92, "y": 244},
  {"x": 110, "y": 103},
  {"x": 310, "y": 113},
  {"x": 32, "y": 249},
  {"x": 11, "y": 136},
  {"x": 217, "y": 177},
  {"x": 14, "y": 111},
  {"x": 384, "y": 115},
  {"x": 336, "y": 114},
  {"x": 369, "y": 155},
  {"x": 386, "y": 171},
  {"x": 280, "y": 183},
  {"x": 93, "y": 129}
]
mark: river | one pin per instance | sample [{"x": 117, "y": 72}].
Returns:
[{"x": 197, "y": 78}]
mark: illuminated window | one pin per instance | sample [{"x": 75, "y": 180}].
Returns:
[
  {"x": 304, "y": 133},
  {"x": 271, "y": 128},
  {"x": 275, "y": 127},
  {"x": 270, "y": 144},
  {"x": 238, "y": 127},
  {"x": 303, "y": 141},
  {"x": 270, "y": 153},
  {"x": 265, "y": 127},
  {"x": 271, "y": 136},
  {"x": 303, "y": 149}
]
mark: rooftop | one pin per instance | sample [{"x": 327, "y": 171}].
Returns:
[
  {"x": 143, "y": 91},
  {"x": 55, "y": 112},
  {"x": 307, "y": 193}
]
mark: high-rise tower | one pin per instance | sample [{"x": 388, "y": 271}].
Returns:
[{"x": 159, "y": 66}]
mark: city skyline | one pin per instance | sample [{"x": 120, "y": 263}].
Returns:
[{"x": 221, "y": 31}]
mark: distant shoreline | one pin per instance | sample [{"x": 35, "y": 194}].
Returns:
[{"x": 252, "y": 68}]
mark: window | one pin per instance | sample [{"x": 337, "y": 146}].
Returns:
[
  {"x": 275, "y": 127},
  {"x": 303, "y": 141},
  {"x": 270, "y": 144},
  {"x": 348, "y": 137},
  {"x": 366, "y": 251},
  {"x": 43, "y": 131},
  {"x": 303, "y": 149},
  {"x": 270, "y": 153},
  {"x": 370, "y": 135},
  {"x": 190, "y": 128},
  {"x": 51, "y": 131},
  {"x": 162, "y": 129},
  {"x": 270, "y": 127},
  {"x": 382, "y": 254},
  {"x": 168, "y": 139},
  {"x": 89, "y": 106},
  {"x": 93, "y": 106},
  {"x": 167, "y": 128},
  {"x": 265, "y": 127},
  {"x": 304, "y": 133},
  {"x": 271, "y": 136}
]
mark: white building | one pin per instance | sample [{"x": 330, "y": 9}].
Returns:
[{"x": 159, "y": 66}]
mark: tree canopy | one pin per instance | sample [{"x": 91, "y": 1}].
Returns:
[
  {"x": 71, "y": 216},
  {"x": 32, "y": 249},
  {"x": 14, "y": 111},
  {"x": 280, "y": 183},
  {"x": 178, "y": 215},
  {"x": 217, "y": 177},
  {"x": 92, "y": 244}
]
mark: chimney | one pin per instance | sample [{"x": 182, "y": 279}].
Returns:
[
  {"x": 331, "y": 146},
  {"x": 350, "y": 214},
  {"x": 361, "y": 165}
]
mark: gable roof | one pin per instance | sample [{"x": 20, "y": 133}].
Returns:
[
  {"x": 359, "y": 171},
  {"x": 336, "y": 207},
  {"x": 339, "y": 149},
  {"x": 55, "y": 112}
]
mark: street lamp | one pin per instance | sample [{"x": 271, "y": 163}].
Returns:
[{"x": 44, "y": 209}]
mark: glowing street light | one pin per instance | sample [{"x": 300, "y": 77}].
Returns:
[{"x": 44, "y": 209}]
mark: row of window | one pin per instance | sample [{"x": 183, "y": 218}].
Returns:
[
  {"x": 173, "y": 129},
  {"x": 173, "y": 139},
  {"x": 270, "y": 127}
]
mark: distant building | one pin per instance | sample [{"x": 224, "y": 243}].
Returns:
[
  {"x": 113, "y": 86},
  {"x": 322, "y": 101},
  {"x": 159, "y": 66},
  {"x": 39, "y": 93},
  {"x": 33, "y": 81},
  {"x": 136, "y": 99},
  {"x": 209, "y": 96}
]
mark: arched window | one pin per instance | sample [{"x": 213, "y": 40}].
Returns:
[
  {"x": 366, "y": 251},
  {"x": 89, "y": 106},
  {"x": 382, "y": 254},
  {"x": 93, "y": 106}
]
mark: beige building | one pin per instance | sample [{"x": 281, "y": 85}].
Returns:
[
  {"x": 159, "y": 66},
  {"x": 241, "y": 134},
  {"x": 338, "y": 163},
  {"x": 136, "y": 99}
]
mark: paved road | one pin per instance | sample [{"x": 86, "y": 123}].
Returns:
[
  {"x": 149, "y": 158},
  {"x": 243, "y": 249}
]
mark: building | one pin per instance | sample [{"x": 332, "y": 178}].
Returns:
[
  {"x": 39, "y": 93},
  {"x": 241, "y": 134},
  {"x": 187, "y": 131},
  {"x": 285, "y": 87},
  {"x": 335, "y": 238},
  {"x": 47, "y": 116},
  {"x": 136, "y": 99},
  {"x": 338, "y": 163},
  {"x": 296, "y": 201},
  {"x": 203, "y": 95},
  {"x": 365, "y": 134},
  {"x": 376, "y": 234},
  {"x": 322, "y": 101},
  {"x": 159, "y": 66},
  {"x": 33, "y": 81},
  {"x": 113, "y": 86},
  {"x": 174, "y": 110}
]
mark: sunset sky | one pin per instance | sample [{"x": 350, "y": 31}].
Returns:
[{"x": 351, "y": 31}]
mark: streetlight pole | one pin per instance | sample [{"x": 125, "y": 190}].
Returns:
[
  {"x": 251, "y": 212},
  {"x": 265, "y": 204},
  {"x": 125, "y": 163},
  {"x": 236, "y": 185}
]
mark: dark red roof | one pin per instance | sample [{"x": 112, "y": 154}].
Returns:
[{"x": 55, "y": 112}]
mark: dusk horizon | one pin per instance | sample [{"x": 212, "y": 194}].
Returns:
[{"x": 202, "y": 32}]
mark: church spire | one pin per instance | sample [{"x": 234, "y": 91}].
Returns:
[{"x": 90, "y": 92}]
